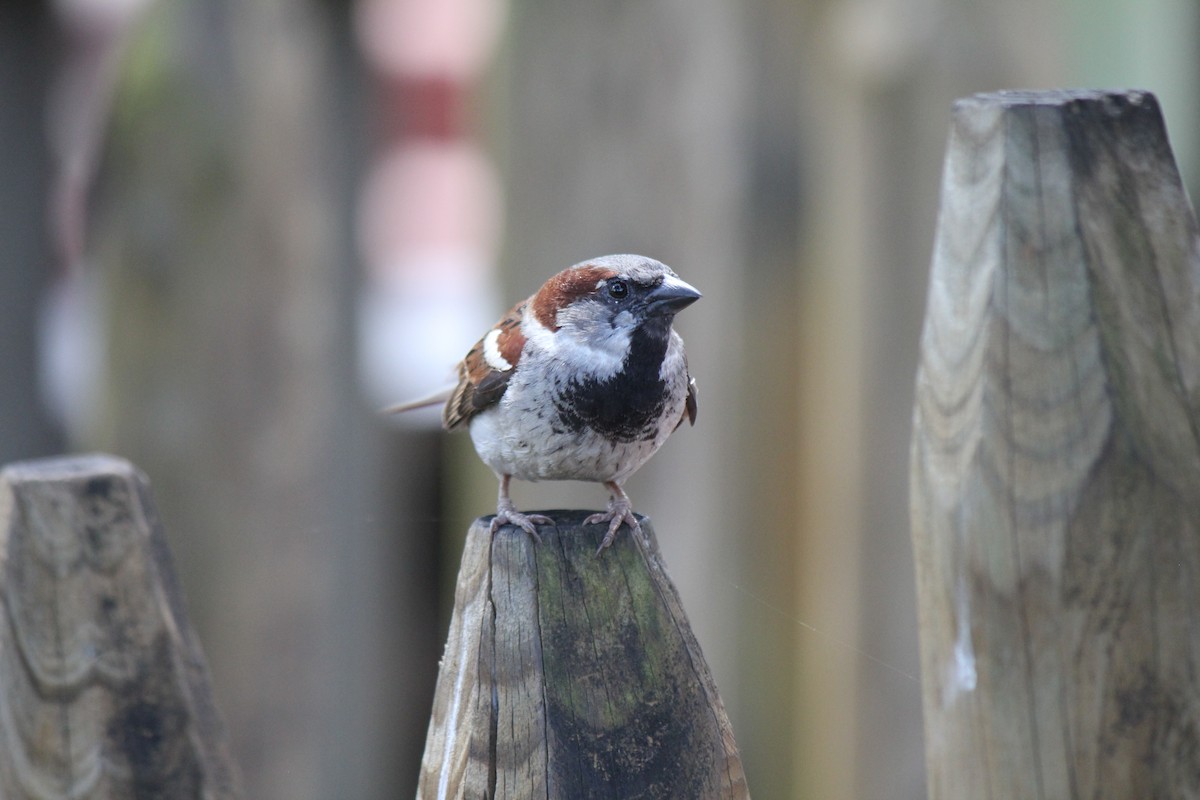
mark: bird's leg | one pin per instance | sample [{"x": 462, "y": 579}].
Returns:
[
  {"x": 506, "y": 513},
  {"x": 619, "y": 510}
]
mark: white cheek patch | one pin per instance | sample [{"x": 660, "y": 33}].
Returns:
[
  {"x": 491, "y": 352},
  {"x": 594, "y": 349},
  {"x": 624, "y": 321}
]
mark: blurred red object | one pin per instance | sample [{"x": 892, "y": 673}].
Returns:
[{"x": 430, "y": 217}]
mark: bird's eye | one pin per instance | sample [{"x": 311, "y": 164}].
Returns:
[{"x": 618, "y": 288}]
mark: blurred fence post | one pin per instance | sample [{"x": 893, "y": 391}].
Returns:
[
  {"x": 229, "y": 285},
  {"x": 103, "y": 688},
  {"x": 568, "y": 674},
  {"x": 1056, "y": 456}
]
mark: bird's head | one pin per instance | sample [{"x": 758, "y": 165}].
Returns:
[{"x": 594, "y": 308}]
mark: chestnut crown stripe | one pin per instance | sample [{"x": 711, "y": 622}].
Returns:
[{"x": 564, "y": 289}]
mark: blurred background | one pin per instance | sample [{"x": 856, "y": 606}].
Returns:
[{"x": 230, "y": 231}]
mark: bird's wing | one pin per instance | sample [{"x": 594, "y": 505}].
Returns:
[
  {"x": 484, "y": 374},
  {"x": 690, "y": 406}
]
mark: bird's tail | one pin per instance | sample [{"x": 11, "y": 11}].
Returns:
[{"x": 437, "y": 398}]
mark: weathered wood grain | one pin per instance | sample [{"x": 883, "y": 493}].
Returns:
[
  {"x": 1056, "y": 456},
  {"x": 103, "y": 688},
  {"x": 572, "y": 675}
]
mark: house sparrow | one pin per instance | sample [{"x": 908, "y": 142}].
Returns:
[{"x": 584, "y": 381}]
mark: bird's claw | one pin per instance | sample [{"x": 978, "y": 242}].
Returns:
[
  {"x": 526, "y": 522},
  {"x": 616, "y": 514}
]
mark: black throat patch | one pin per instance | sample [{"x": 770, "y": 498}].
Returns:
[{"x": 625, "y": 407}]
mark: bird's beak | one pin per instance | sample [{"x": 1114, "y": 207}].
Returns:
[{"x": 671, "y": 296}]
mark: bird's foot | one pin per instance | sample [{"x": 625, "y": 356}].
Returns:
[
  {"x": 619, "y": 511},
  {"x": 526, "y": 522}
]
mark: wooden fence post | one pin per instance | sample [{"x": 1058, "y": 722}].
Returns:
[
  {"x": 569, "y": 675},
  {"x": 103, "y": 689},
  {"x": 1056, "y": 456}
]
